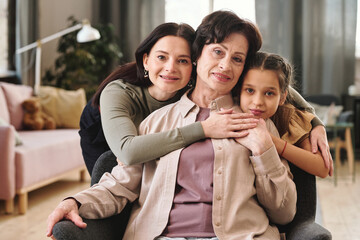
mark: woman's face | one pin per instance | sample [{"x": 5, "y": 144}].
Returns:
[
  {"x": 220, "y": 64},
  {"x": 169, "y": 66}
]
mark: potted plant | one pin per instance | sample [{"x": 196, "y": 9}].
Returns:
[{"x": 84, "y": 64}]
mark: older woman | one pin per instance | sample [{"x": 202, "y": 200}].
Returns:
[{"x": 213, "y": 188}]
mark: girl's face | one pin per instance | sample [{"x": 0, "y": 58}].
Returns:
[
  {"x": 260, "y": 93},
  {"x": 169, "y": 66},
  {"x": 221, "y": 64}
]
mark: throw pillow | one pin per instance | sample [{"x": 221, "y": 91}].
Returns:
[
  {"x": 15, "y": 95},
  {"x": 18, "y": 140},
  {"x": 327, "y": 114},
  {"x": 65, "y": 106},
  {"x": 4, "y": 112}
]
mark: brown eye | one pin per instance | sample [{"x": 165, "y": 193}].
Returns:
[
  {"x": 249, "y": 90},
  {"x": 237, "y": 59},
  {"x": 184, "y": 61}
]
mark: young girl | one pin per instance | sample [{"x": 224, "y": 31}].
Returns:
[{"x": 264, "y": 92}]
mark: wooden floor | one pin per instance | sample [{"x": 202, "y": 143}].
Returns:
[
  {"x": 339, "y": 211},
  {"x": 32, "y": 225},
  {"x": 340, "y": 205}
]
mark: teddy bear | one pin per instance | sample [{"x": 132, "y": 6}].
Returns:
[{"x": 34, "y": 117}]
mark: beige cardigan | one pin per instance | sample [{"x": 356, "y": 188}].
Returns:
[{"x": 250, "y": 193}]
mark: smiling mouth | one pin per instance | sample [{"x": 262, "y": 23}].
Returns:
[
  {"x": 170, "y": 78},
  {"x": 221, "y": 77}
]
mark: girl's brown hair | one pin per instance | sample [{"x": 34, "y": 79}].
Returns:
[{"x": 276, "y": 63}]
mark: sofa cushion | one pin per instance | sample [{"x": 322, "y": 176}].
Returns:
[
  {"x": 17, "y": 137},
  {"x": 65, "y": 106},
  {"x": 4, "y": 111},
  {"x": 15, "y": 95},
  {"x": 45, "y": 154}
]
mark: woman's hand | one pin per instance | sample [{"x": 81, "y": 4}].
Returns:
[
  {"x": 228, "y": 124},
  {"x": 318, "y": 141},
  {"x": 258, "y": 140},
  {"x": 67, "y": 209}
]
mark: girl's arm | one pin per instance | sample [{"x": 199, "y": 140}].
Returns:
[
  {"x": 318, "y": 138},
  {"x": 302, "y": 156}
]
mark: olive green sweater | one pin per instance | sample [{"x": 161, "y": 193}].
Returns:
[{"x": 124, "y": 106}]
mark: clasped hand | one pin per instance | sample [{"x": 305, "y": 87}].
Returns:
[
  {"x": 258, "y": 139},
  {"x": 228, "y": 124}
]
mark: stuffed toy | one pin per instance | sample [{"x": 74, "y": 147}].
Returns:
[{"x": 34, "y": 117}]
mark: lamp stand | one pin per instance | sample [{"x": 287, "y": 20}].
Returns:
[{"x": 89, "y": 34}]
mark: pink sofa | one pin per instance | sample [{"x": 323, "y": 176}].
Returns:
[{"x": 31, "y": 159}]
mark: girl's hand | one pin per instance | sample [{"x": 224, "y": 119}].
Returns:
[
  {"x": 318, "y": 141},
  {"x": 67, "y": 209},
  {"x": 228, "y": 124},
  {"x": 258, "y": 140}
]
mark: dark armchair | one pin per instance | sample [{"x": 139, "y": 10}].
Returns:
[{"x": 303, "y": 227}]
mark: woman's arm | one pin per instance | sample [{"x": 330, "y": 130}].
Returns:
[
  {"x": 302, "y": 156},
  {"x": 318, "y": 139},
  {"x": 274, "y": 186},
  {"x": 123, "y": 109},
  {"x": 299, "y": 102}
]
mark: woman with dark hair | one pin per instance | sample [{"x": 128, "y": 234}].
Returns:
[{"x": 133, "y": 91}]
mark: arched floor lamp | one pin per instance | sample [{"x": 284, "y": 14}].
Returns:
[{"x": 86, "y": 34}]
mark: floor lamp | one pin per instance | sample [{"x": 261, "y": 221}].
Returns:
[{"x": 86, "y": 34}]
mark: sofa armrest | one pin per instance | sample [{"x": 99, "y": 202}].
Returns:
[
  {"x": 308, "y": 230},
  {"x": 7, "y": 162}
]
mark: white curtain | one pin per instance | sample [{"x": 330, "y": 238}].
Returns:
[
  {"x": 26, "y": 33},
  {"x": 317, "y": 36},
  {"x": 133, "y": 20}
]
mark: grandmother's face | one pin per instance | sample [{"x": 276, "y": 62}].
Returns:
[{"x": 220, "y": 64}]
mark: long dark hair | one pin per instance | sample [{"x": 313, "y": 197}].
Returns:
[
  {"x": 218, "y": 25},
  {"x": 133, "y": 72}
]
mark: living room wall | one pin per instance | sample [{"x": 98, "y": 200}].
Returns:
[
  {"x": 53, "y": 17},
  {"x": 132, "y": 20}
]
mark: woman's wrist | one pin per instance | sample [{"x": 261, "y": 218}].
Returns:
[
  {"x": 264, "y": 145},
  {"x": 73, "y": 200}
]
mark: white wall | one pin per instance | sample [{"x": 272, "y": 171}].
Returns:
[{"x": 53, "y": 15}]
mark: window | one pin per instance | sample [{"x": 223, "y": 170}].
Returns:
[
  {"x": 193, "y": 11},
  {"x": 243, "y": 8},
  {"x": 7, "y": 36},
  {"x": 3, "y": 39},
  {"x": 357, "y": 51}
]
